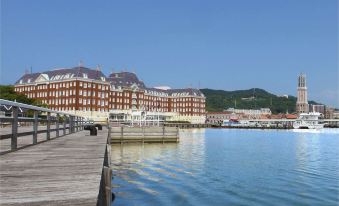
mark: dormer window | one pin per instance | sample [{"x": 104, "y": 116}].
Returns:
[
  {"x": 29, "y": 81},
  {"x": 20, "y": 81},
  {"x": 85, "y": 75},
  {"x": 103, "y": 78}
]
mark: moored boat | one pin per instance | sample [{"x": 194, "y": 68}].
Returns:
[{"x": 308, "y": 121}]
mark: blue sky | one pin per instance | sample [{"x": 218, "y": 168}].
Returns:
[{"x": 224, "y": 44}]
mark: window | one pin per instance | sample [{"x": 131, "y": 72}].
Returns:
[{"x": 85, "y": 75}]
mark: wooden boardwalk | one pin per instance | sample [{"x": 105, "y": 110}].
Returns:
[{"x": 63, "y": 171}]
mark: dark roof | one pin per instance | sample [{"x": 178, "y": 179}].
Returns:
[
  {"x": 125, "y": 79},
  {"x": 25, "y": 77},
  {"x": 75, "y": 72},
  {"x": 179, "y": 92}
]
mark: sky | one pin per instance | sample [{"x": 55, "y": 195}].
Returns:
[{"x": 226, "y": 44}]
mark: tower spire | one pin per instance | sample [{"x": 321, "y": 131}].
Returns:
[{"x": 302, "y": 103}]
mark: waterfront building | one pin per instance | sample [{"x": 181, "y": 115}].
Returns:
[
  {"x": 317, "y": 108},
  {"x": 329, "y": 112},
  {"x": 121, "y": 95},
  {"x": 302, "y": 103},
  {"x": 251, "y": 113},
  {"x": 336, "y": 115},
  {"x": 219, "y": 117}
]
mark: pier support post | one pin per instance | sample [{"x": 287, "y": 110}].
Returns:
[
  {"x": 35, "y": 127},
  {"x": 163, "y": 134},
  {"x": 121, "y": 134},
  {"x": 143, "y": 135},
  {"x": 14, "y": 139},
  {"x": 177, "y": 134}
]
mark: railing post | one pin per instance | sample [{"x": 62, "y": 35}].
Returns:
[
  {"x": 71, "y": 130},
  {"x": 81, "y": 123},
  {"x": 14, "y": 139},
  {"x": 35, "y": 127},
  {"x": 48, "y": 134},
  {"x": 57, "y": 125},
  {"x": 64, "y": 125},
  {"x": 77, "y": 124}
]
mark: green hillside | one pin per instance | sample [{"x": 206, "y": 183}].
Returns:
[{"x": 218, "y": 100}]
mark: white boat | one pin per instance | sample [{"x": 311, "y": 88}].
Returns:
[
  {"x": 308, "y": 121},
  {"x": 237, "y": 123}
]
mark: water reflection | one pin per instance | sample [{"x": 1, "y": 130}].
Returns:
[{"x": 230, "y": 167}]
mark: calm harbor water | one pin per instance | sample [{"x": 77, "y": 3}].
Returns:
[{"x": 230, "y": 167}]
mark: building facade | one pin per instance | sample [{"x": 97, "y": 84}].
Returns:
[
  {"x": 317, "y": 108},
  {"x": 90, "y": 93},
  {"x": 251, "y": 113},
  {"x": 218, "y": 117},
  {"x": 302, "y": 103}
]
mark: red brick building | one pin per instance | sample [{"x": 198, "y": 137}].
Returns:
[{"x": 89, "y": 90}]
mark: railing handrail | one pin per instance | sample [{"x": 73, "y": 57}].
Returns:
[
  {"x": 36, "y": 108},
  {"x": 73, "y": 120}
]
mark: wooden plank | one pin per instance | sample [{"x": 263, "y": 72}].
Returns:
[{"x": 64, "y": 171}]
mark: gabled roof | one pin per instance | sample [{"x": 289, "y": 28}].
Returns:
[
  {"x": 64, "y": 73},
  {"x": 125, "y": 79}
]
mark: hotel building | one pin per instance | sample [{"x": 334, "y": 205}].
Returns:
[{"x": 121, "y": 95}]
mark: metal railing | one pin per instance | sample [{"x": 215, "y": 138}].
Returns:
[{"x": 70, "y": 122}]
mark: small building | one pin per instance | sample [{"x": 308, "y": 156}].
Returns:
[
  {"x": 251, "y": 113},
  {"x": 317, "y": 108},
  {"x": 219, "y": 117},
  {"x": 329, "y": 113}
]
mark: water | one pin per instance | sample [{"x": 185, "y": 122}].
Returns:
[{"x": 230, "y": 167}]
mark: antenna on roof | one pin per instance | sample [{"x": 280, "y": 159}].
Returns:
[
  {"x": 26, "y": 71},
  {"x": 81, "y": 63},
  {"x": 98, "y": 67},
  {"x": 31, "y": 70},
  {"x": 97, "y": 70}
]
